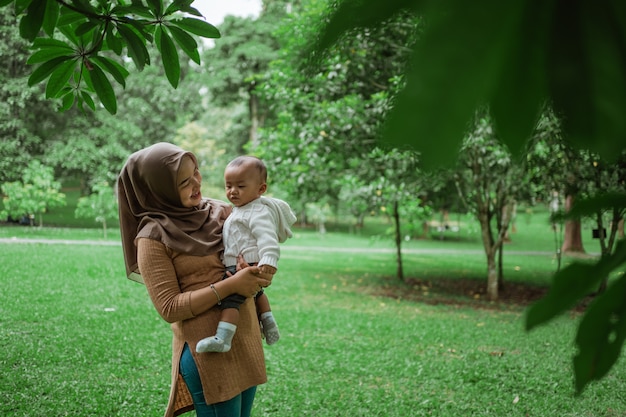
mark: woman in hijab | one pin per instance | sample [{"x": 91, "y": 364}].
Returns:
[{"x": 172, "y": 241}]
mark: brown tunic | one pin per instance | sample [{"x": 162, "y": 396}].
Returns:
[{"x": 169, "y": 276}]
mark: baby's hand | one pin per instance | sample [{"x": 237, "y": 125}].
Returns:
[{"x": 267, "y": 269}]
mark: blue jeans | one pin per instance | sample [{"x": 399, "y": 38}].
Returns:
[{"x": 240, "y": 406}]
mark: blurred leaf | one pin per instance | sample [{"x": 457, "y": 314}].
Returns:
[
  {"x": 169, "y": 55},
  {"x": 601, "y": 333},
  {"x": 197, "y": 27},
  {"x": 521, "y": 90},
  {"x": 585, "y": 207},
  {"x": 351, "y": 14},
  {"x": 588, "y": 73},
  {"x": 455, "y": 68},
  {"x": 59, "y": 78},
  {"x": 572, "y": 284}
]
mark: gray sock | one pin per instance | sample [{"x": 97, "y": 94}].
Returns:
[
  {"x": 221, "y": 341},
  {"x": 270, "y": 328}
]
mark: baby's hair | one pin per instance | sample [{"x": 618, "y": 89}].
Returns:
[{"x": 253, "y": 161}]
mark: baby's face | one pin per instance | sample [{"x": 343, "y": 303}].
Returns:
[{"x": 243, "y": 184}]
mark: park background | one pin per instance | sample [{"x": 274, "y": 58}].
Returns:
[{"x": 403, "y": 291}]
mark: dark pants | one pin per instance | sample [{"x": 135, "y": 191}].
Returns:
[{"x": 235, "y": 300}]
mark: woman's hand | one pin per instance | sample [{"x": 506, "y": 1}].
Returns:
[{"x": 249, "y": 281}]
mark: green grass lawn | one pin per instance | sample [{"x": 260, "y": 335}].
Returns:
[{"x": 78, "y": 339}]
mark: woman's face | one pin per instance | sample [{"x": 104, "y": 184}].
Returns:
[{"x": 189, "y": 181}]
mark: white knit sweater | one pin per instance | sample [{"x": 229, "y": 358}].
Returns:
[{"x": 256, "y": 229}]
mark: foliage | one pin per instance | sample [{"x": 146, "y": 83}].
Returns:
[
  {"x": 100, "y": 205},
  {"x": 72, "y": 57},
  {"x": 34, "y": 194},
  {"x": 209, "y": 153},
  {"x": 514, "y": 57},
  {"x": 324, "y": 120},
  {"x": 20, "y": 106}
]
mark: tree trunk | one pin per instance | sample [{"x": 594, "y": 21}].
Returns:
[
  {"x": 254, "y": 119},
  {"x": 396, "y": 218},
  {"x": 572, "y": 239},
  {"x": 490, "y": 252},
  {"x": 492, "y": 277}
]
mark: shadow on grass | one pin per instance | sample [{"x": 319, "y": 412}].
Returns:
[{"x": 466, "y": 293}]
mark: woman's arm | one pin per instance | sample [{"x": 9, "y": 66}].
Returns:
[
  {"x": 162, "y": 284},
  {"x": 246, "y": 282}
]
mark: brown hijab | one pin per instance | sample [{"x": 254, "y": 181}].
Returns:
[{"x": 150, "y": 207}]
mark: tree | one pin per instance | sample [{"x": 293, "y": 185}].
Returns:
[
  {"x": 19, "y": 103},
  {"x": 34, "y": 195},
  {"x": 238, "y": 62},
  {"x": 515, "y": 57},
  {"x": 487, "y": 183},
  {"x": 100, "y": 205},
  {"x": 395, "y": 176},
  {"x": 323, "y": 119}
]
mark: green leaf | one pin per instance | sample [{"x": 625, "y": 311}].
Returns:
[
  {"x": 113, "y": 41},
  {"x": 51, "y": 17},
  {"x": 84, "y": 7},
  {"x": 136, "y": 46},
  {"x": 103, "y": 89},
  {"x": 601, "y": 335},
  {"x": 353, "y": 14},
  {"x": 571, "y": 284},
  {"x": 5, "y": 2},
  {"x": 585, "y": 207},
  {"x": 138, "y": 9},
  {"x": 116, "y": 70},
  {"x": 49, "y": 42},
  {"x": 85, "y": 97},
  {"x": 32, "y": 21},
  {"x": 177, "y": 5},
  {"x": 186, "y": 42},
  {"x": 67, "y": 101},
  {"x": 68, "y": 17},
  {"x": 49, "y": 53},
  {"x": 587, "y": 75},
  {"x": 86, "y": 27},
  {"x": 197, "y": 27},
  {"x": 156, "y": 6},
  {"x": 169, "y": 55},
  {"x": 460, "y": 55},
  {"x": 44, "y": 70},
  {"x": 59, "y": 78},
  {"x": 522, "y": 88}
]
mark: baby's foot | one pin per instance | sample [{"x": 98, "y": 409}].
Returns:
[
  {"x": 270, "y": 331},
  {"x": 212, "y": 344}
]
